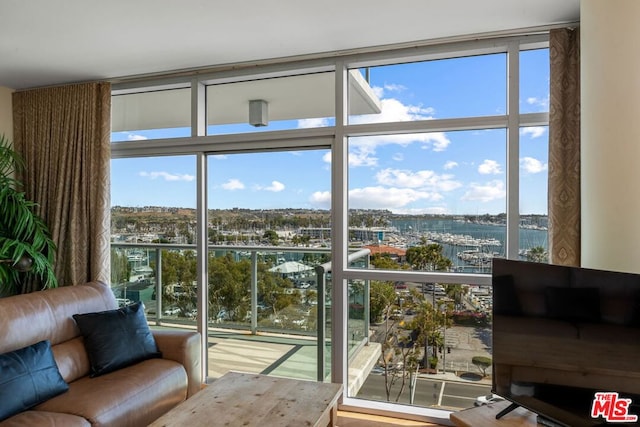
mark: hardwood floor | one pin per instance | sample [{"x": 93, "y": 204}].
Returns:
[{"x": 353, "y": 419}]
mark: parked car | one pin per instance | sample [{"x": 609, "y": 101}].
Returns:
[
  {"x": 396, "y": 314},
  {"x": 377, "y": 370},
  {"x": 171, "y": 311},
  {"x": 486, "y": 399}
]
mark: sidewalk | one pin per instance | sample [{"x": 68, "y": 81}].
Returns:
[{"x": 465, "y": 343}]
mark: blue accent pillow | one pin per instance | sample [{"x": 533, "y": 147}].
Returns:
[
  {"x": 28, "y": 376},
  {"x": 117, "y": 338}
]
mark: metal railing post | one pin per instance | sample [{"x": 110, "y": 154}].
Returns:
[
  {"x": 321, "y": 280},
  {"x": 158, "y": 273},
  {"x": 367, "y": 304},
  {"x": 254, "y": 292}
]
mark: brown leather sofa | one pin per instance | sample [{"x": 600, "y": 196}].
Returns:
[{"x": 132, "y": 396}]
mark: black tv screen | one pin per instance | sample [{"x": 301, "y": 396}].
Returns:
[{"x": 566, "y": 342}]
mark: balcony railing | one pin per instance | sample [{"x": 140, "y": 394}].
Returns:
[
  {"x": 297, "y": 331},
  {"x": 305, "y": 277}
]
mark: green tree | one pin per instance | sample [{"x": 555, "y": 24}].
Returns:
[
  {"x": 426, "y": 324},
  {"x": 179, "y": 275},
  {"x": 229, "y": 287},
  {"x": 537, "y": 254},
  {"x": 272, "y": 237},
  {"x": 384, "y": 262},
  {"x": 382, "y": 295},
  {"x": 483, "y": 363},
  {"x": 275, "y": 291},
  {"x": 456, "y": 292},
  {"x": 428, "y": 256},
  {"x": 120, "y": 267}
]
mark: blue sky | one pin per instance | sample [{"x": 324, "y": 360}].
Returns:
[{"x": 451, "y": 173}]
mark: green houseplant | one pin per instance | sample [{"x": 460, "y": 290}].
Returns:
[{"x": 26, "y": 248}]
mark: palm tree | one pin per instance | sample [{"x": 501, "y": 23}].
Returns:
[
  {"x": 428, "y": 256},
  {"x": 27, "y": 251},
  {"x": 456, "y": 292},
  {"x": 537, "y": 254}
]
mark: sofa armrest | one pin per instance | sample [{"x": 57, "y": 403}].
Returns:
[{"x": 184, "y": 348}]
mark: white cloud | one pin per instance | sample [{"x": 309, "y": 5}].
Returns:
[
  {"x": 362, "y": 150},
  {"x": 543, "y": 103},
  {"x": 326, "y": 157},
  {"x": 275, "y": 187},
  {"x": 387, "y": 198},
  {"x": 489, "y": 167},
  {"x": 424, "y": 179},
  {"x": 233, "y": 184},
  {"x": 392, "y": 110},
  {"x": 218, "y": 156},
  {"x": 382, "y": 198},
  {"x": 360, "y": 156},
  {"x": 450, "y": 165},
  {"x": 398, "y": 157},
  {"x": 313, "y": 123},
  {"x": 322, "y": 199},
  {"x": 533, "y": 131},
  {"x": 488, "y": 192},
  {"x": 134, "y": 137},
  {"x": 433, "y": 210},
  {"x": 392, "y": 87},
  {"x": 531, "y": 165},
  {"x": 167, "y": 176}
]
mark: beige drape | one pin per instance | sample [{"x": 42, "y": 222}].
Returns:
[
  {"x": 63, "y": 133},
  {"x": 564, "y": 147}
]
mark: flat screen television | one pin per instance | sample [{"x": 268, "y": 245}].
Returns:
[{"x": 564, "y": 338}]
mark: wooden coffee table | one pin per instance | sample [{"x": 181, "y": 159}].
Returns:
[{"x": 239, "y": 399}]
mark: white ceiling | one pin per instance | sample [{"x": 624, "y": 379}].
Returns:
[{"x": 46, "y": 42}]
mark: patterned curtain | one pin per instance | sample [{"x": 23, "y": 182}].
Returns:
[
  {"x": 564, "y": 148},
  {"x": 63, "y": 134}
]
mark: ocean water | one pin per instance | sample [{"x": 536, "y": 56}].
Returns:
[{"x": 412, "y": 229}]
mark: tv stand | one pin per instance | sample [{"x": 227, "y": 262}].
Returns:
[
  {"x": 506, "y": 410},
  {"x": 485, "y": 416}
]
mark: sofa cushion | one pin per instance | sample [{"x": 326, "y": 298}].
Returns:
[
  {"x": 45, "y": 419},
  {"x": 28, "y": 376},
  {"x": 129, "y": 397},
  {"x": 116, "y": 338}
]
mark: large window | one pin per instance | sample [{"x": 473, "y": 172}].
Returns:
[{"x": 337, "y": 221}]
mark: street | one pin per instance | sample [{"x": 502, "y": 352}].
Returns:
[{"x": 442, "y": 393}]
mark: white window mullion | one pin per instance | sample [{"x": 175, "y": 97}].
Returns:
[
  {"x": 198, "y": 128},
  {"x": 513, "y": 151},
  {"x": 339, "y": 231}
]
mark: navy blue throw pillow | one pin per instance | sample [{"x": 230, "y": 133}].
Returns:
[
  {"x": 117, "y": 338},
  {"x": 28, "y": 376}
]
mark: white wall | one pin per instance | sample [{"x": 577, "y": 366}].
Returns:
[
  {"x": 610, "y": 134},
  {"x": 6, "y": 112}
]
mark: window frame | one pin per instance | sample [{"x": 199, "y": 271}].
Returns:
[{"x": 336, "y": 138}]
